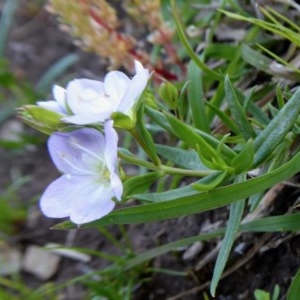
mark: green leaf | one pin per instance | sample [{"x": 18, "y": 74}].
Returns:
[
  {"x": 181, "y": 34},
  {"x": 199, "y": 202},
  {"x": 185, "y": 158},
  {"x": 159, "y": 118},
  {"x": 170, "y": 195},
  {"x": 244, "y": 160},
  {"x": 277, "y": 129},
  {"x": 294, "y": 290},
  {"x": 235, "y": 216},
  {"x": 261, "y": 295},
  {"x": 209, "y": 185},
  {"x": 196, "y": 97},
  {"x": 237, "y": 111},
  {"x": 225, "y": 118},
  {"x": 256, "y": 59},
  {"x": 194, "y": 137},
  {"x": 143, "y": 136},
  {"x": 139, "y": 184}
]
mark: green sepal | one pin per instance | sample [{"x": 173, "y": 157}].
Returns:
[
  {"x": 123, "y": 121},
  {"x": 244, "y": 160},
  {"x": 139, "y": 184},
  {"x": 215, "y": 181},
  {"x": 41, "y": 119}
]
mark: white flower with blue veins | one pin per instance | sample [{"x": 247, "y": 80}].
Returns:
[
  {"x": 86, "y": 101},
  {"x": 90, "y": 180}
]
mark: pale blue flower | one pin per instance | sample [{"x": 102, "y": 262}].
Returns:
[
  {"x": 90, "y": 101},
  {"x": 90, "y": 180}
]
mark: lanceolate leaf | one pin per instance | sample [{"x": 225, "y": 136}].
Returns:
[
  {"x": 236, "y": 213},
  {"x": 139, "y": 184},
  {"x": 185, "y": 158},
  {"x": 277, "y": 129},
  {"x": 196, "y": 97},
  {"x": 294, "y": 290},
  {"x": 199, "y": 202},
  {"x": 237, "y": 111}
]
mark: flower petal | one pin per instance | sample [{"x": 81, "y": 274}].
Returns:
[
  {"x": 134, "y": 91},
  {"x": 79, "y": 152},
  {"x": 111, "y": 158},
  {"x": 138, "y": 66},
  {"x": 115, "y": 85},
  {"x": 87, "y": 99},
  {"x": 93, "y": 200},
  {"x": 86, "y": 119},
  {"x": 58, "y": 198},
  {"x": 81, "y": 198},
  {"x": 59, "y": 94}
]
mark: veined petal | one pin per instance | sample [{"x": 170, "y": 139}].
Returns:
[
  {"x": 93, "y": 200},
  {"x": 115, "y": 85},
  {"x": 79, "y": 152},
  {"x": 134, "y": 91}
]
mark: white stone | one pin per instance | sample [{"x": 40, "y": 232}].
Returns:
[{"x": 40, "y": 262}]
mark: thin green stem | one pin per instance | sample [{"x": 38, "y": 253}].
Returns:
[
  {"x": 110, "y": 237},
  {"x": 137, "y": 161},
  {"x": 164, "y": 168}
]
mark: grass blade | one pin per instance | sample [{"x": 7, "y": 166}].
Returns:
[
  {"x": 294, "y": 290},
  {"x": 236, "y": 213},
  {"x": 6, "y": 20}
]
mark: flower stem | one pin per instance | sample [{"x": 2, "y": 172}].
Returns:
[
  {"x": 137, "y": 161},
  {"x": 164, "y": 168}
]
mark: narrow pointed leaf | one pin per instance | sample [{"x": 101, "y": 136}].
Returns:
[
  {"x": 194, "y": 137},
  {"x": 235, "y": 216},
  {"x": 145, "y": 137},
  {"x": 188, "y": 48},
  {"x": 277, "y": 129},
  {"x": 244, "y": 160},
  {"x": 185, "y": 158},
  {"x": 210, "y": 184},
  {"x": 237, "y": 111},
  {"x": 140, "y": 183},
  {"x": 294, "y": 290},
  {"x": 196, "y": 97}
]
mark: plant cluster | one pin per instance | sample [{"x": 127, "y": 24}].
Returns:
[{"x": 233, "y": 135}]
